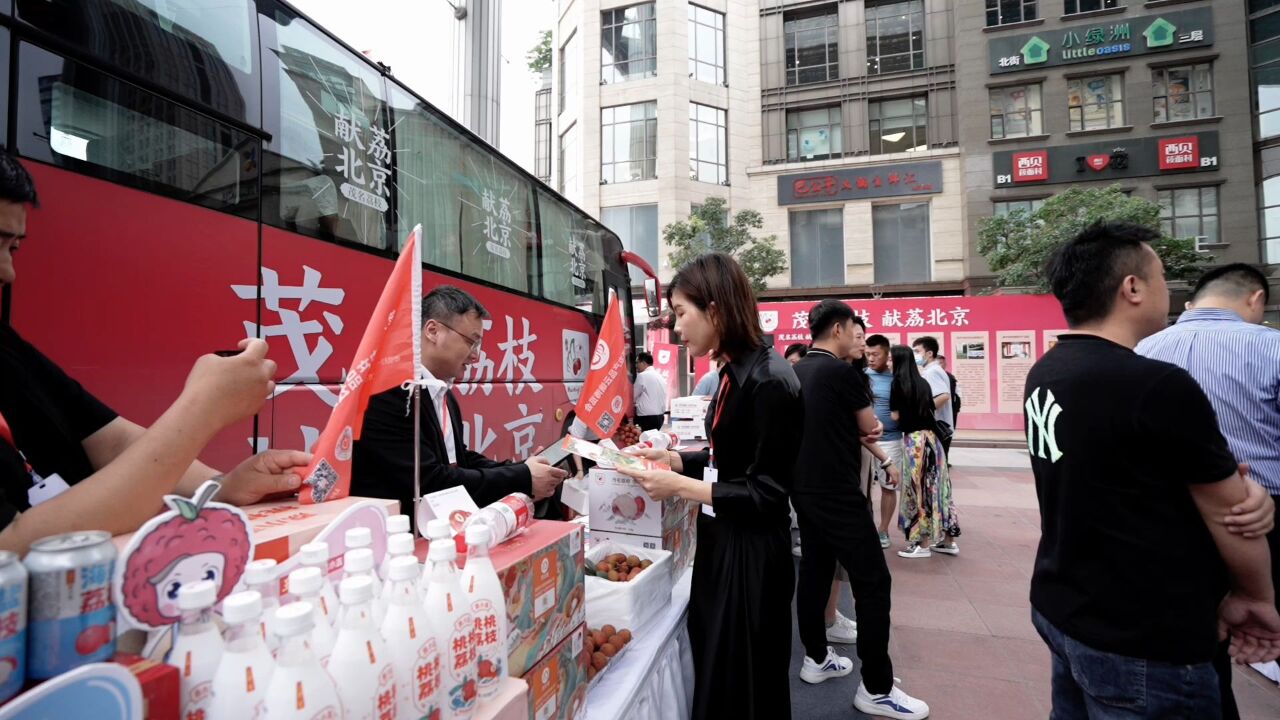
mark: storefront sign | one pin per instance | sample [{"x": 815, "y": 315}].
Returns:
[
  {"x": 917, "y": 178},
  {"x": 1102, "y": 41},
  {"x": 1108, "y": 160}
]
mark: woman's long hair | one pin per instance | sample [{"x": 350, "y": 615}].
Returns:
[
  {"x": 908, "y": 381},
  {"x": 718, "y": 278}
]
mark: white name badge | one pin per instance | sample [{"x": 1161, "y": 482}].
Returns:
[
  {"x": 47, "y": 489},
  {"x": 710, "y": 475}
]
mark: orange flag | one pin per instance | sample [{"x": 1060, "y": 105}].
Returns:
[
  {"x": 389, "y": 355},
  {"x": 606, "y": 395}
]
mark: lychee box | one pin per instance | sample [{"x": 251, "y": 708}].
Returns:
[
  {"x": 681, "y": 540},
  {"x": 631, "y": 604},
  {"x": 558, "y": 682},
  {"x": 619, "y": 504},
  {"x": 692, "y": 407}
]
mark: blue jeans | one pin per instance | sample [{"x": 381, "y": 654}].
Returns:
[{"x": 1095, "y": 685}]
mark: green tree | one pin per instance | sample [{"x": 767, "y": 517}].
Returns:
[
  {"x": 540, "y": 56},
  {"x": 1018, "y": 245},
  {"x": 708, "y": 230}
]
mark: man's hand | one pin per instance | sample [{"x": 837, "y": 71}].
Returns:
[
  {"x": 264, "y": 474},
  {"x": 1255, "y": 516},
  {"x": 229, "y": 389},
  {"x": 546, "y": 477},
  {"x": 1254, "y": 626},
  {"x": 895, "y": 475},
  {"x": 874, "y": 435}
]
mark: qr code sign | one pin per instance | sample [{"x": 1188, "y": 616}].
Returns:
[
  {"x": 606, "y": 422},
  {"x": 323, "y": 481}
]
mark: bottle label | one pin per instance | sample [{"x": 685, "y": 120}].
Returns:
[
  {"x": 426, "y": 681},
  {"x": 462, "y": 656},
  {"x": 484, "y": 638}
]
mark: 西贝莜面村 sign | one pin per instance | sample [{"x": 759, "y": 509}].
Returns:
[
  {"x": 915, "y": 178},
  {"x": 1102, "y": 40},
  {"x": 1107, "y": 160}
]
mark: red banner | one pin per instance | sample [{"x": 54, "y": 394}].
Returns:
[
  {"x": 666, "y": 360},
  {"x": 606, "y": 395},
  {"x": 388, "y": 355}
]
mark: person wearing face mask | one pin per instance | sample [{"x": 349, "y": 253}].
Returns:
[
  {"x": 926, "y": 351},
  {"x": 382, "y": 462}
]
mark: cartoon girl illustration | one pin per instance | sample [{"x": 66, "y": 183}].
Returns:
[{"x": 194, "y": 540}]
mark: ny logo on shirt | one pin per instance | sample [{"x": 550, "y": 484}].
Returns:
[{"x": 1042, "y": 422}]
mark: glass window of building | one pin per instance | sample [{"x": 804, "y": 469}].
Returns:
[
  {"x": 1015, "y": 111},
  {"x": 706, "y": 45},
  {"x": 1190, "y": 213},
  {"x": 1070, "y": 7},
  {"x": 817, "y": 248},
  {"x": 542, "y": 135},
  {"x": 1094, "y": 103},
  {"x": 895, "y": 36},
  {"x": 899, "y": 125},
  {"x": 814, "y": 134},
  {"x": 570, "y": 70},
  {"x": 1004, "y": 12},
  {"x": 1264, "y": 34},
  {"x": 1002, "y": 208},
  {"x": 812, "y": 45},
  {"x": 570, "y": 178},
  {"x": 708, "y": 145},
  {"x": 1182, "y": 93},
  {"x": 572, "y": 262},
  {"x": 901, "y": 243},
  {"x": 628, "y": 43},
  {"x": 629, "y": 143},
  {"x": 1270, "y": 220},
  {"x": 637, "y": 228}
]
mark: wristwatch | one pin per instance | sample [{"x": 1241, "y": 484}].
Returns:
[{"x": 887, "y": 462}]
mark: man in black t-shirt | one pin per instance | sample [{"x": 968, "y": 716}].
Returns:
[{"x": 1134, "y": 480}]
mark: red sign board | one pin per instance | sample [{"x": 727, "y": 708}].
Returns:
[
  {"x": 1179, "y": 153},
  {"x": 1031, "y": 166}
]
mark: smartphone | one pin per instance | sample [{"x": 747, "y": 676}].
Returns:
[{"x": 556, "y": 454}]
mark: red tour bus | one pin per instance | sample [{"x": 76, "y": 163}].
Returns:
[{"x": 211, "y": 171}]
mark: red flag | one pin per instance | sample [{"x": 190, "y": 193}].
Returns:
[
  {"x": 389, "y": 354},
  {"x": 606, "y": 395}
]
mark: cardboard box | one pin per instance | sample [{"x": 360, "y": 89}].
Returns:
[
  {"x": 688, "y": 430},
  {"x": 681, "y": 540},
  {"x": 160, "y": 685},
  {"x": 693, "y": 407},
  {"x": 558, "y": 682},
  {"x": 619, "y": 504}
]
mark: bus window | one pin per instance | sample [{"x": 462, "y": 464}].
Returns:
[
  {"x": 200, "y": 50},
  {"x": 424, "y": 146},
  {"x": 76, "y": 117},
  {"x": 572, "y": 264},
  {"x": 328, "y": 165}
]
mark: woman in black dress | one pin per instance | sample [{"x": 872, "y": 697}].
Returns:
[{"x": 743, "y": 576}]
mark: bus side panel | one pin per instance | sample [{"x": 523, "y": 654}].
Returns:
[{"x": 125, "y": 289}]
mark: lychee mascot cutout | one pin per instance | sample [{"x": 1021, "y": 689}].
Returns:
[{"x": 194, "y": 540}]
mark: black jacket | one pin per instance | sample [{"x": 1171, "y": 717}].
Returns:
[{"x": 382, "y": 463}]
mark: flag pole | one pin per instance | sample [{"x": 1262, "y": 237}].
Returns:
[{"x": 417, "y": 453}]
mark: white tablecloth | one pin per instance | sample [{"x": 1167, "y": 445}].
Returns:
[{"x": 653, "y": 680}]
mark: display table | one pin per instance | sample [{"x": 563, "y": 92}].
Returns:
[
  {"x": 654, "y": 679},
  {"x": 511, "y": 702}
]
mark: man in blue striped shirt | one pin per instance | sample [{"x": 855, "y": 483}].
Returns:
[{"x": 1221, "y": 342}]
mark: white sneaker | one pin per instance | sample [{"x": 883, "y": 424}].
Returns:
[
  {"x": 950, "y": 548},
  {"x": 896, "y": 704},
  {"x": 843, "y": 631},
  {"x": 915, "y": 550},
  {"x": 833, "y": 666}
]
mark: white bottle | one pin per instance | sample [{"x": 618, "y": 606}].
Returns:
[
  {"x": 240, "y": 684},
  {"x": 488, "y": 611},
  {"x": 397, "y": 524},
  {"x": 305, "y": 585},
  {"x": 359, "y": 563},
  {"x": 358, "y": 537},
  {"x": 260, "y": 575},
  {"x": 360, "y": 658},
  {"x": 316, "y": 555},
  {"x": 398, "y": 545},
  {"x": 197, "y": 647},
  {"x": 437, "y": 530},
  {"x": 450, "y": 613},
  {"x": 300, "y": 688},
  {"x": 412, "y": 643}
]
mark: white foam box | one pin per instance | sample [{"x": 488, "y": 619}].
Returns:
[
  {"x": 617, "y": 503},
  {"x": 693, "y": 407},
  {"x": 627, "y": 604},
  {"x": 689, "y": 429},
  {"x": 680, "y": 539}
]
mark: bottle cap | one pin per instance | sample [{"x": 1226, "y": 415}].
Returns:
[
  {"x": 479, "y": 535},
  {"x": 359, "y": 537},
  {"x": 355, "y": 590},
  {"x": 443, "y": 550},
  {"x": 198, "y": 595},
  {"x": 438, "y": 528},
  {"x": 242, "y": 607},
  {"x": 315, "y": 554},
  {"x": 404, "y": 567},
  {"x": 400, "y": 544},
  {"x": 397, "y": 524},
  {"x": 294, "y": 619},
  {"x": 260, "y": 572},
  {"x": 305, "y": 581},
  {"x": 358, "y": 560}
]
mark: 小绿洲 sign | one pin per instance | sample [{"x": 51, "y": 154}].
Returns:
[{"x": 1102, "y": 40}]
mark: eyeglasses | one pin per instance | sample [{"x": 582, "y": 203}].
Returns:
[{"x": 475, "y": 342}]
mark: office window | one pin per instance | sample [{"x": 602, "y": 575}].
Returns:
[
  {"x": 814, "y": 134},
  {"x": 628, "y": 43},
  {"x": 812, "y": 46},
  {"x": 900, "y": 242},
  {"x": 637, "y": 228},
  {"x": 569, "y": 181},
  {"x": 629, "y": 141},
  {"x": 1070, "y": 7},
  {"x": 899, "y": 125},
  {"x": 1015, "y": 111},
  {"x": 706, "y": 45},
  {"x": 1270, "y": 220},
  {"x": 817, "y": 248},
  {"x": 895, "y": 36},
  {"x": 1182, "y": 93},
  {"x": 1003, "y": 12},
  {"x": 570, "y": 70},
  {"x": 542, "y": 135},
  {"x": 708, "y": 144},
  {"x": 1190, "y": 213},
  {"x": 1095, "y": 102},
  {"x": 1001, "y": 208},
  {"x": 1264, "y": 34}
]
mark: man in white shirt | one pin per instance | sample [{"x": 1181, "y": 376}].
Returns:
[
  {"x": 651, "y": 394},
  {"x": 926, "y": 350}
]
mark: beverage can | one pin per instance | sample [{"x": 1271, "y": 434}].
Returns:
[
  {"x": 13, "y": 625},
  {"x": 72, "y": 617}
]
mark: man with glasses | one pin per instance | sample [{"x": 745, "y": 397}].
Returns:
[{"x": 382, "y": 465}]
